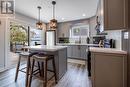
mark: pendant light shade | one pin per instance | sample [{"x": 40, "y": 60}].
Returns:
[
  {"x": 53, "y": 22},
  {"x": 39, "y": 24}
]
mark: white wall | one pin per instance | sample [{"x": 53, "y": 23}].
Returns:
[{"x": 116, "y": 35}]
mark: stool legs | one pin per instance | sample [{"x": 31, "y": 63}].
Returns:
[
  {"x": 31, "y": 74},
  {"x": 45, "y": 74},
  {"x": 27, "y": 71},
  {"x": 54, "y": 68},
  {"x": 38, "y": 63},
  {"x": 44, "y": 69},
  {"x": 17, "y": 69}
]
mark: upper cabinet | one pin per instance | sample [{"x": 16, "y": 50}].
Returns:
[{"x": 113, "y": 14}]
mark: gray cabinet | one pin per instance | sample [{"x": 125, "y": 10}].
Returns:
[
  {"x": 108, "y": 69},
  {"x": 84, "y": 52},
  {"x": 77, "y": 51},
  {"x": 69, "y": 51},
  {"x": 113, "y": 14}
]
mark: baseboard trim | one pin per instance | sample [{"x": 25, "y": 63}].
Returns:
[{"x": 77, "y": 58}]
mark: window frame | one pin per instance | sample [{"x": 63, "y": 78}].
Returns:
[{"x": 80, "y": 27}]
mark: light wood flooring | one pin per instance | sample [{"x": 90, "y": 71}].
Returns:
[
  {"x": 13, "y": 58},
  {"x": 76, "y": 76}
]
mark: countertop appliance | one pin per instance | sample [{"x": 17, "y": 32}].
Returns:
[
  {"x": 109, "y": 43},
  {"x": 97, "y": 39}
]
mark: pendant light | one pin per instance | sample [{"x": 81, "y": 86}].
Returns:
[
  {"x": 53, "y": 22},
  {"x": 39, "y": 23}
]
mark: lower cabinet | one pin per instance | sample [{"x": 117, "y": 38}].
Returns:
[
  {"x": 77, "y": 51},
  {"x": 108, "y": 69},
  {"x": 83, "y": 52},
  {"x": 69, "y": 51}
]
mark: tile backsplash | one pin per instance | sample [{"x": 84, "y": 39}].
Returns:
[
  {"x": 78, "y": 40},
  {"x": 116, "y": 35},
  {"x": 112, "y": 34}
]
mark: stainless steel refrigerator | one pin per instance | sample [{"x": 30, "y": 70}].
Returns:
[{"x": 50, "y": 37}]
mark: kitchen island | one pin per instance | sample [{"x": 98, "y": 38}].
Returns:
[{"x": 60, "y": 55}]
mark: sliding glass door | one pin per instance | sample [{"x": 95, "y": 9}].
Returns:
[
  {"x": 18, "y": 39},
  {"x": 22, "y": 35}
]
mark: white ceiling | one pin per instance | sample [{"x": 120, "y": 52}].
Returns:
[{"x": 67, "y": 9}]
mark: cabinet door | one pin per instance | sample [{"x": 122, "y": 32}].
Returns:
[
  {"x": 115, "y": 14},
  {"x": 69, "y": 51},
  {"x": 109, "y": 70},
  {"x": 84, "y": 52},
  {"x": 76, "y": 52}
]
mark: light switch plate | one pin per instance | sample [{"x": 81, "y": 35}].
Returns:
[{"x": 126, "y": 35}]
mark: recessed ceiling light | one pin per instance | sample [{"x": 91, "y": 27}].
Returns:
[
  {"x": 83, "y": 15},
  {"x": 62, "y": 18}
]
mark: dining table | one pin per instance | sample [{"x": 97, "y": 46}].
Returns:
[{"x": 60, "y": 57}]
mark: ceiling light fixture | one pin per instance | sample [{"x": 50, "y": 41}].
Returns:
[
  {"x": 63, "y": 18},
  {"x": 84, "y": 15},
  {"x": 53, "y": 22},
  {"x": 39, "y": 23}
]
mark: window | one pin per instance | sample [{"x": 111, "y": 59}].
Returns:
[{"x": 80, "y": 31}]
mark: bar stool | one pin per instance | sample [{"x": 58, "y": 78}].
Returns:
[
  {"x": 27, "y": 55},
  {"x": 44, "y": 60}
]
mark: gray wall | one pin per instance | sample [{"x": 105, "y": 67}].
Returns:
[
  {"x": 64, "y": 27},
  {"x": 24, "y": 20}
]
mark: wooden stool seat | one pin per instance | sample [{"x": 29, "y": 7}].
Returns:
[
  {"x": 42, "y": 57},
  {"x": 44, "y": 60},
  {"x": 24, "y": 54}
]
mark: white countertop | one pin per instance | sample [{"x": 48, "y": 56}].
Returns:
[
  {"x": 45, "y": 48},
  {"x": 69, "y": 44},
  {"x": 107, "y": 50}
]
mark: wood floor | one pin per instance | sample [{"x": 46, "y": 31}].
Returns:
[{"x": 76, "y": 76}]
